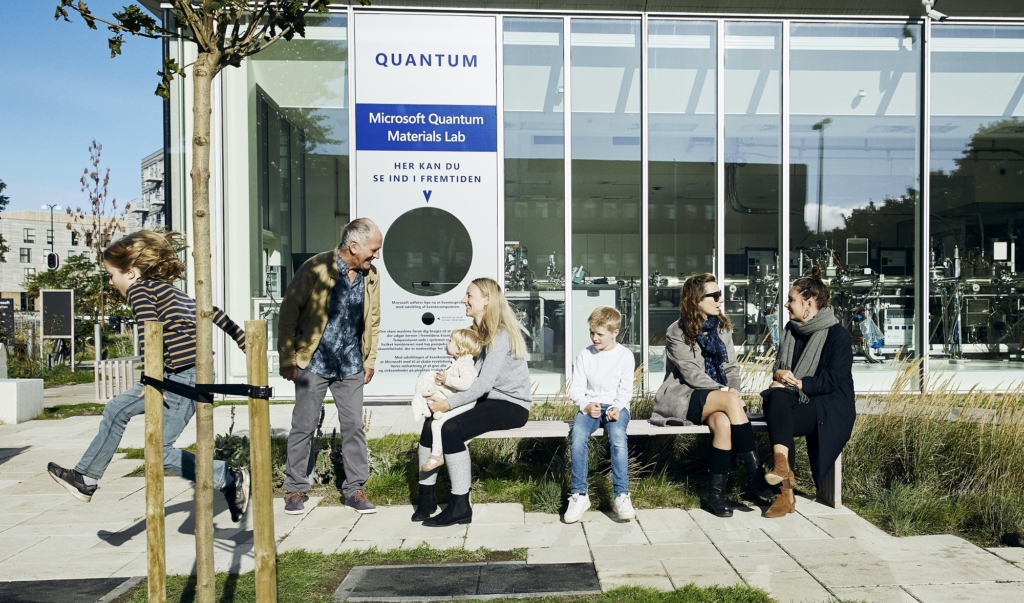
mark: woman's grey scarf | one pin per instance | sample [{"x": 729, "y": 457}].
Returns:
[{"x": 817, "y": 328}]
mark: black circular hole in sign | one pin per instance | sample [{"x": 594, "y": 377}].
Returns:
[
  {"x": 428, "y": 251},
  {"x": 428, "y": 318}
]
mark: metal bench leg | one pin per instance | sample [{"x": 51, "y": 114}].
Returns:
[{"x": 831, "y": 491}]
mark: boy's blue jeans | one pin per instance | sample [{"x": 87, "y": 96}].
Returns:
[
  {"x": 582, "y": 428},
  {"x": 120, "y": 409}
]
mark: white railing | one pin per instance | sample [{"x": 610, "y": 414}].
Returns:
[{"x": 114, "y": 376}]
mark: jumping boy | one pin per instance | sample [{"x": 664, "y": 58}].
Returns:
[{"x": 602, "y": 385}]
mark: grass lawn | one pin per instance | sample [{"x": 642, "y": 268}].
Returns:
[
  {"x": 63, "y": 411},
  {"x": 304, "y": 577}
]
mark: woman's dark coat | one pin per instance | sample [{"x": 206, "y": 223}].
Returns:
[{"x": 831, "y": 391}]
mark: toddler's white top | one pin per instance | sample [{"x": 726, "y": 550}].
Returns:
[
  {"x": 460, "y": 373},
  {"x": 603, "y": 377}
]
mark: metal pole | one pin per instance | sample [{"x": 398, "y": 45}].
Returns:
[
  {"x": 135, "y": 339},
  {"x": 264, "y": 551},
  {"x": 156, "y": 549}
]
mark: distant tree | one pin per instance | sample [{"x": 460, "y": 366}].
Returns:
[
  {"x": 98, "y": 224},
  {"x": 224, "y": 32},
  {"x": 4, "y": 200}
]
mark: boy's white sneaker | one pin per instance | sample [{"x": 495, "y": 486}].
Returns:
[
  {"x": 578, "y": 505},
  {"x": 623, "y": 507}
]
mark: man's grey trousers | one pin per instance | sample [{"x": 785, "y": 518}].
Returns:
[{"x": 310, "y": 390}]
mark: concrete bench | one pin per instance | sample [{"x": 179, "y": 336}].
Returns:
[{"x": 831, "y": 491}]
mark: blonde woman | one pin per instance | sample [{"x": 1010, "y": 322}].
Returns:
[{"x": 502, "y": 395}]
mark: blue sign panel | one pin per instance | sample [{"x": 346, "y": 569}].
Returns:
[{"x": 471, "y": 128}]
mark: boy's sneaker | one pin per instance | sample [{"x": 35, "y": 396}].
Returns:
[
  {"x": 293, "y": 503},
  {"x": 578, "y": 505},
  {"x": 237, "y": 494},
  {"x": 359, "y": 502},
  {"x": 624, "y": 507},
  {"x": 72, "y": 481}
]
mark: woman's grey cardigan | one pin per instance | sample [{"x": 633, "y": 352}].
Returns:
[
  {"x": 684, "y": 373},
  {"x": 500, "y": 376}
]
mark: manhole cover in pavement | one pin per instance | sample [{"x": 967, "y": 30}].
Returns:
[
  {"x": 86, "y": 590},
  {"x": 467, "y": 581}
]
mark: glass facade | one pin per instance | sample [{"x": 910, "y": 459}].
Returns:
[
  {"x": 635, "y": 152},
  {"x": 976, "y": 176}
]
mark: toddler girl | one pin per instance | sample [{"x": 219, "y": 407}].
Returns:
[{"x": 463, "y": 346}]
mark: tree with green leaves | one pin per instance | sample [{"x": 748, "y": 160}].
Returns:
[
  {"x": 4, "y": 200},
  {"x": 224, "y": 33}
]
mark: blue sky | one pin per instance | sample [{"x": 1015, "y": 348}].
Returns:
[{"x": 59, "y": 89}]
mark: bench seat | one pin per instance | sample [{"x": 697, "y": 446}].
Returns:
[{"x": 831, "y": 491}]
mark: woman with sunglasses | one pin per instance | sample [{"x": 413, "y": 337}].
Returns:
[{"x": 702, "y": 386}]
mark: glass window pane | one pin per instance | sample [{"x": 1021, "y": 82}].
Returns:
[
  {"x": 753, "y": 179},
  {"x": 606, "y": 176},
  {"x": 977, "y": 175},
  {"x": 854, "y": 166},
  {"x": 681, "y": 93},
  {"x": 534, "y": 84},
  {"x": 300, "y": 174}
]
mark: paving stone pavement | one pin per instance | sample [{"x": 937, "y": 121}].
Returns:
[{"x": 816, "y": 554}]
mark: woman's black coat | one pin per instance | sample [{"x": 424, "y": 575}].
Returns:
[{"x": 831, "y": 390}]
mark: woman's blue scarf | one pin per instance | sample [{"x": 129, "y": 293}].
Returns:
[{"x": 713, "y": 349}]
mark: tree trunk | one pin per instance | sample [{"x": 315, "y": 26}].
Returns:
[{"x": 203, "y": 72}]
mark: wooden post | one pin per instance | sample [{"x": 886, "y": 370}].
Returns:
[
  {"x": 97, "y": 356},
  {"x": 156, "y": 550},
  {"x": 259, "y": 454}
]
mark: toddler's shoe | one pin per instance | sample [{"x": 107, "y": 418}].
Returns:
[
  {"x": 624, "y": 507},
  {"x": 578, "y": 505},
  {"x": 433, "y": 462}
]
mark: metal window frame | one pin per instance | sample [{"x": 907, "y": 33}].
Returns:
[
  {"x": 645, "y": 186},
  {"x": 922, "y": 269},
  {"x": 567, "y": 183}
]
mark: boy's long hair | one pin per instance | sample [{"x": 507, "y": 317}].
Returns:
[
  {"x": 498, "y": 317},
  {"x": 153, "y": 254},
  {"x": 690, "y": 319}
]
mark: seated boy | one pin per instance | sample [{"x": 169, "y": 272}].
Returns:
[{"x": 602, "y": 385}]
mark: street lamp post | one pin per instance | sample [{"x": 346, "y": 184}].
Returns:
[{"x": 53, "y": 235}]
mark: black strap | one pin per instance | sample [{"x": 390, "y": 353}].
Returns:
[{"x": 203, "y": 392}]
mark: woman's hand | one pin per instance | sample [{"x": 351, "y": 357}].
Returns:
[
  {"x": 437, "y": 403},
  {"x": 777, "y": 384},
  {"x": 786, "y": 377}
]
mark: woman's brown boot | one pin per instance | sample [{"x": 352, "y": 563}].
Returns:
[
  {"x": 785, "y": 503},
  {"x": 780, "y": 471}
]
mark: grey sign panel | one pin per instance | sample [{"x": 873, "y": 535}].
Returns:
[
  {"x": 58, "y": 313},
  {"x": 7, "y": 321}
]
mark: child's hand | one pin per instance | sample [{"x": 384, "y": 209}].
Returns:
[
  {"x": 593, "y": 409},
  {"x": 440, "y": 377},
  {"x": 612, "y": 414}
]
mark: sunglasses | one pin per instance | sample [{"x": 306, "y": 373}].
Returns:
[{"x": 717, "y": 296}]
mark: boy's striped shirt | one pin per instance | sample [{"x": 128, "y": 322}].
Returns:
[{"x": 157, "y": 300}]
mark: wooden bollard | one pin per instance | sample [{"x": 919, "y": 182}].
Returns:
[
  {"x": 156, "y": 550},
  {"x": 264, "y": 550}
]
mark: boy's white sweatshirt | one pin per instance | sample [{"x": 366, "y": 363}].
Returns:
[{"x": 603, "y": 377}]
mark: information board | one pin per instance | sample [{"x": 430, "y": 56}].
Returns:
[
  {"x": 7, "y": 321},
  {"x": 58, "y": 312},
  {"x": 426, "y": 142}
]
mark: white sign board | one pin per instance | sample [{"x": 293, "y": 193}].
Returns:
[{"x": 426, "y": 166}]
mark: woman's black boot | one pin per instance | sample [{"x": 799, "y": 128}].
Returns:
[
  {"x": 717, "y": 483},
  {"x": 755, "y": 476},
  {"x": 457, "y": 511},
  {"x": 426, "y": 504}
]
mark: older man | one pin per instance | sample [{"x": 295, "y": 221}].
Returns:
[{"x": 327, "y": 336}]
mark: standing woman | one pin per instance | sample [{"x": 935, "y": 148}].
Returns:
[
  {"x": 702, "y": 385},
  {"x": 812, "y": 389},
  {"x": 502, "y": 395}
]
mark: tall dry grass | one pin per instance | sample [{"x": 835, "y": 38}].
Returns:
[{"x": 939, "y": 461}]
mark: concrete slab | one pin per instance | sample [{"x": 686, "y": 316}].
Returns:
[
  {"x": 666, "y": 520},
  {"x": 957, "y": 593},
  {"x": 676, "y": 536},
  {"x": 314, "y": 540},
  {"x": 653, "y": 553},
  {"x": 503, "y": 537},
  {"x": 874, "y": 594},
  {"x": 847, "y": 526},
  {"x": 1011, "y": 554},
  {"x": 741, "y": 535},
  {"x": 702, "y": 571},
  {"x": 330, "y": 518},
  {"x": 610, "y": 533},
  {"x": 759, "y": 564},
  {"x": 539, "y": 517},
  {"x": 787, "y": 587},
  {"x": 938, "y": 559},
  {"x": 496, "y": 513},
  {"x": 559, "y": 554},
  {"x": 395, "y": 524}
]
